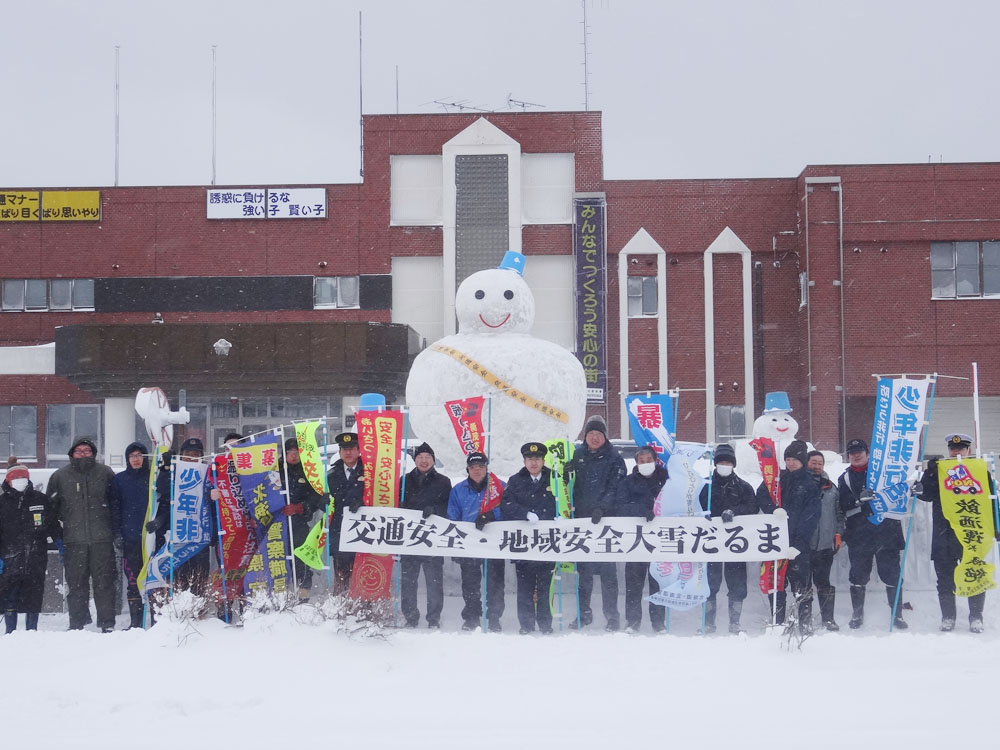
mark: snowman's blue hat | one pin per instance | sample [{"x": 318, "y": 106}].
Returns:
[
  {"x": 513, "y": 261},
  {"x": 776, "y": 401}
]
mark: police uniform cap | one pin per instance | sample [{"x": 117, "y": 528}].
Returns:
[
  {"x": 347, "y": 439},
  {"x": 534, "y": 450},
  {"x": 958, "y": 440}
]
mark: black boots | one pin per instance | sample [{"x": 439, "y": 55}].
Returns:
[
  {"x": 858, "y": 605},
  {"x": 735, "y": 610},
  {"x": 710, "y": 616},
  {"x": 898, "y": 622}
]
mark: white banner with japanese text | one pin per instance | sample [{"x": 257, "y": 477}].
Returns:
[{"x": 398, "y": 531}]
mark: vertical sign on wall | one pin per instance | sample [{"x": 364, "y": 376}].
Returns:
[{"x": 589, "y": 243}]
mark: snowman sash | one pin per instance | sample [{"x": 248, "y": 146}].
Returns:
[{"x": 501, "y": 385}]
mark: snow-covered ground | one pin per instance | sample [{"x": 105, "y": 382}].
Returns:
[{"x": 295, "y": 677}]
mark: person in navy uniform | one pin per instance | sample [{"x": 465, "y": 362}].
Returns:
[
  {"x": 946, "y": 550},
  {"x": 346, "y": 481},
  {"x": 527, "y": 497}
]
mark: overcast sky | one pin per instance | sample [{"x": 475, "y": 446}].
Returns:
[{"x": 688, "y": 89}]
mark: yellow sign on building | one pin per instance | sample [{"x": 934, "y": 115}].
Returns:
[
  {"x": 19, "y": 205},
  {"x": 71, "y": 205}
]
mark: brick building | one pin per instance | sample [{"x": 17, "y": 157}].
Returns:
[{"x": 726, "y": 289}]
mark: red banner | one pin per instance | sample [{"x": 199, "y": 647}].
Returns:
[
  {"x": 467, "y": 418},
  {"x": 767, "y": 456},
  {"x": 380, "y": 437},
  {"x": 239, "y": 541}
]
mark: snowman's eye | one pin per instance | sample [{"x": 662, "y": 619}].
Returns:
[
  {"x": 509, "y": 294},
  {"x": 774, "y": 419},
  {"x": 480, "y": 294}
]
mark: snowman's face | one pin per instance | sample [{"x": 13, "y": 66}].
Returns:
[
  {"x": 494, "y": 301},
  {"x": 777, "y": 425}
]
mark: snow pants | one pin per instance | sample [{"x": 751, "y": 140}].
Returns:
[
  {"x": 86, "y": 565},
  {"x": 409, "y": 573}
]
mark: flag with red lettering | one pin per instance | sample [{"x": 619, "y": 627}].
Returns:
[
  {"x": 380, "y": 438},
  {"x": 239, "y": 530},
  {"x": 767, "y": 456},
  {"x": 467, "y": 419}
]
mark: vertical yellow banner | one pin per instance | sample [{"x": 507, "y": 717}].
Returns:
[{"x": 965, "y": 500}]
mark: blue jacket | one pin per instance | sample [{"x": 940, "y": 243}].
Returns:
[
  {"x": 464, "y": 502},
  {"x": 132, "y": 490},
  {"x": 523, "y": 496}
]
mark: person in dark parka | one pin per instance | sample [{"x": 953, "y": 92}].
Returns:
[
  {"x": 827, "y": 539},
  {"x": 302, "y": 503},
  {"x": 727, "y": 496},
  {"x": 800, "y": 500},
  {"x": 26, "y": 523},
  {"x": 599, "y": 468},
  {"x": 425, "y": 490},
  {"x": 131, "y": 488},
  {"x": 865, "y": 540},
  {"x": 527, "y": 497},
  {"x": 637, "y": 494},
  {"x": 83, "y": 500},
  {"x": 946, "y": 550},
  {"x": 346, "y": 482}
]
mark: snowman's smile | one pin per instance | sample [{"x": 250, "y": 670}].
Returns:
[
  {"x": 781, "y": 429},
  {"x": 487, "y": 323}
]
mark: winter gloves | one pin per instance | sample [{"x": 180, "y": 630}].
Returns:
[
  {"x": 650, "y": 516},
  {"x": 428, "y": 512},
  {"x": 482, "y": 519},
  {"x": 597, "y": 515},
  {"x": 727, "y": 516},
  {"x": 532, "y": 517},
  {"x": 355, "y": 506}
]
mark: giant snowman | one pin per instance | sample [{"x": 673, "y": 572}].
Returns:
[{"x": 535, "y": 390}]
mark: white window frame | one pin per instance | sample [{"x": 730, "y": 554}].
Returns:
[
  {"x": 10, "y": 448},
  {"x": 341, "y": 303},
  {"x": 73, "y": 307},
  {"x": 981, "y": 293},
  {"x": 646, "y": 283}
]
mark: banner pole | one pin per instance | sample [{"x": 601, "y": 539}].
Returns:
[
  {"x": 486, "y": 563},
  {"x": 704, "y": 606},
  {"x": 398, "y": 569},
  {"x": 328, "y": 513},
  {"x": 154, "y": 467},
  {"x": 170, "y": 539},
  {"x": 911, "y": 507},
  {"x": 289, "y": 558},
  {"x": 221, "y": 533},
  {"x": 975, "y": 408}
]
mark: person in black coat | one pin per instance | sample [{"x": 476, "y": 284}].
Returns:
[
  {"x": 346, "y": 482},
  {"x": 800, "y": 500},
  {"x": 131, "y": 487},
  {"x": 599, "y": 468},
  {"x": 527, "y": 497},
  {"x": 864, "y": 539},
  {"x": 425, "y": 490},
  {"x": 302, "y": 502},
  {"x": 946, "y": 550},
  {"x": 727, "y": 496},
  {"x": 26, "y": 523},
  {"x": 637, "y": 494}
]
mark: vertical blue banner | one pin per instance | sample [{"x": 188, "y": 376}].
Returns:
[
  {"x": 652, "y": 421},
  {"x": 192, "y": 526},
  {"x": 900, "y": 404}
]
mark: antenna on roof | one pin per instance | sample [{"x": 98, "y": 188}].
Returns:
[{"x": 512, "y": 102}]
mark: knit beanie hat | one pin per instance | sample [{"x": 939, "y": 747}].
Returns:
[
  {"x": 798, "y": 450},
  {"x": 17, "y": 471},
  {"x": 596, "y": 422}
]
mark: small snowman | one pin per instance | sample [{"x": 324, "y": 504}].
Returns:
[
  {"x": 775, "y": 422},
  {"x": 535, "y": 389}
]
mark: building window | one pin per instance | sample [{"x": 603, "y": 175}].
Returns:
[
  {"x": 965, "y": 269},
  {"x": 641, "y": 296},
  {"x": 335, "y": 291},
  {"x": 730, "y": 423},
  {"x": 64, "y": 423},
  {"x": 19, "y": 431},
  {"x": 36, "y": 295}
]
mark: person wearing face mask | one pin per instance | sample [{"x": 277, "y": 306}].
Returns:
[
  {"x": 83, "y": 500},
  {"x": 637, "y": 494},
  {"x": 727, "y": 497},
  {"x": 26, "y": 524},
  {"x": 131, "y": 488}
]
